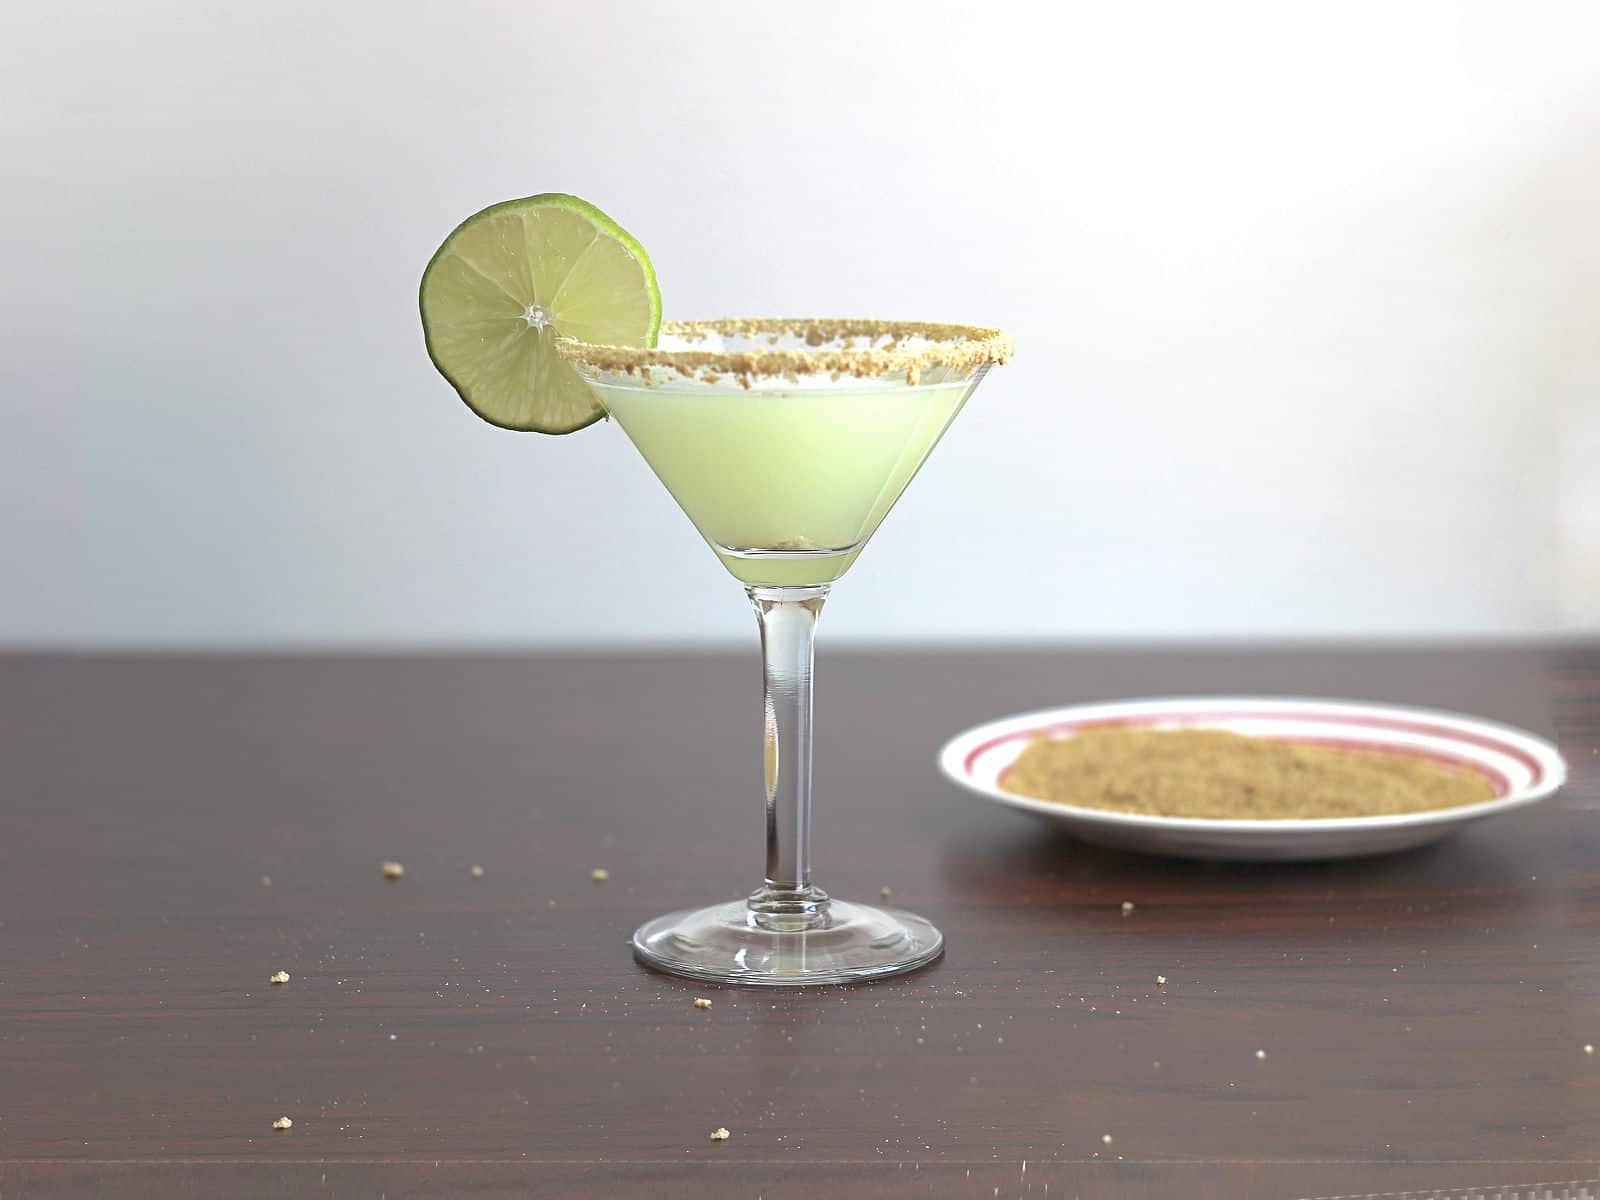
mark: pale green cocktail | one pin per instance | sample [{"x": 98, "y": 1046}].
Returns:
[
  {"x": 786, "y": 442},
  {"x": 786, "y": 486}
]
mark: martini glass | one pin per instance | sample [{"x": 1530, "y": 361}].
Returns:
[{"x": 787, "y": 443}]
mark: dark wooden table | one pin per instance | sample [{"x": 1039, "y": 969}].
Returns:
[{"x": 1424, "y": 1016}]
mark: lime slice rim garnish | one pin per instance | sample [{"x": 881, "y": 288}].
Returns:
[{"x": 605, "y": 226}]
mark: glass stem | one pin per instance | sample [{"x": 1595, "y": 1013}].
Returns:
[{"x": 788, "y": 620}]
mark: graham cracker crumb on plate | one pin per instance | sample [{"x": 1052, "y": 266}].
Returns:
[
  {"x": 701, "y": 1002},
  {"x": 278, "y": 979},
  {"x": 283, "y": 1123},
  {"x": 720, "y": 1134},
  {"x": 393, "y": 870},
  {"x": 886, "y": 891},
  {"x": 1221, "y": 774}
]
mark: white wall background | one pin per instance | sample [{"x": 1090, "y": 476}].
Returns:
[{"x": 1307, "y": 300}]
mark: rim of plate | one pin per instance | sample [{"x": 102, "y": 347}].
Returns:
[{"x": 957, "y": 756}]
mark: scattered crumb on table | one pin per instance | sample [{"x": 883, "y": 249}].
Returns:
[
  {"x": 475, "y": 871},
  {"x": 283, "y": 1123},
  {"x": 1106, "y": 1138},
  {"x": 1127, "y": 907},
  {"x": 599, "y": 874},
  {"x": 886, "y": 891},
  {"x": 720, "y": 1134},
  {"x": 393, "y": 870},
  {"x": 701, "y": 1002},
  {"x": 1261, "y": 1053},
  {"x": 266, "y": 881},
  {"x": 279, "y": 978},
  {"x": 1587, "y": 1048}
]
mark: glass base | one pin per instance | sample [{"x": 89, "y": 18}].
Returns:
[{"x": 731, "y": 943}]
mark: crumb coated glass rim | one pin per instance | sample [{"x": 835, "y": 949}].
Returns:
[{"x": 829, "y": 349}]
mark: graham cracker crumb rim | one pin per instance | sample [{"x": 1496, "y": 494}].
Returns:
[{"x": 949, "y": 346}]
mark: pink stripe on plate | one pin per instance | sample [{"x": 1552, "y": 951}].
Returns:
[{"x": 1206, "y": 719}]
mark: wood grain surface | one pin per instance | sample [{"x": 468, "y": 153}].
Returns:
[{"x": 1423, "y": 1016}]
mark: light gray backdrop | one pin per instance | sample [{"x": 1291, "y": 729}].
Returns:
[{"x": 1306, "y": 300}]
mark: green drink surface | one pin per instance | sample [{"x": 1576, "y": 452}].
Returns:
[{"x": 786, "y": 486}]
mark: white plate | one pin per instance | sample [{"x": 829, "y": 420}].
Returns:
[{"x": 1522, "y": 768}]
